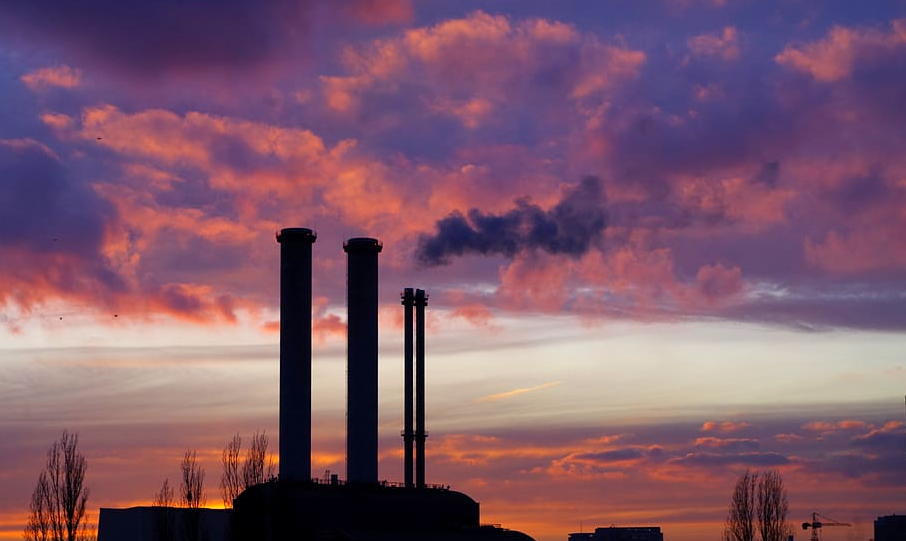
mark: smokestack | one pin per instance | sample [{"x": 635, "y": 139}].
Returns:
[
  {"x": 421, "y": 300},
  {"x": 362, "y": 363},
  {"x": 295, "y": 352},
  {"x": 408, "y": 302}
]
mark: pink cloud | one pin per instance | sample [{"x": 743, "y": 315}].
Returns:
[
  {"x": 844, "y": 50},
  {"x": 717, "y": 282},
  {"x": 62, "y": 76},
  {"x": 477, "y": 63},
  {"x": 877, "y": 246},
  {"x": 378, "y": 12},
  {"x": 478, "y": 315},
  {"x": 724, "y": 45}
]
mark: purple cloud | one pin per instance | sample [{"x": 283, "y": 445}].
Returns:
[{"x": 45, "y": 209}]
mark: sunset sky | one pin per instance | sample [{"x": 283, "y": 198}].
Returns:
[{"x": 664, "y": 241}]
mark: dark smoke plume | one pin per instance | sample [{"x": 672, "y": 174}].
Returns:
[{"x": 567, "y": 228}]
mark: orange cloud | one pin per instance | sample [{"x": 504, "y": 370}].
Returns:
[
  {"x": 724, "y": 426},
  {"x": 825, "y": 427},
  {"x": 517, "y": 392}
]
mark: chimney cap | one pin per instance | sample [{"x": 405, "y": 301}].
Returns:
[
  {"x": 362, "y": 244},
  {"x": 296, "y": 234}
]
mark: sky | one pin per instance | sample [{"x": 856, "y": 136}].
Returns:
[{"x": 662, "y": 239}]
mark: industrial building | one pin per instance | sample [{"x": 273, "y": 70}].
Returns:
[{"x": 359, "y": 508}]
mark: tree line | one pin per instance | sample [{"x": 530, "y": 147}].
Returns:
[
  {"x": 57, "y": 510},
  {"x": 758, "y": 508}
]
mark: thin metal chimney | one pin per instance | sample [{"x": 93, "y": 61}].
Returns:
[
  {"x": 421, "y": 301},
  {"x": 408, "y": 302},
  {"x": 362, "y": 359},
  {"x": 295, "y": 352}
]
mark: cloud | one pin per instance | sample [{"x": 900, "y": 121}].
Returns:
[
  {"x": 846, "y": 50},
  {"x": 718, "y": 459},
  {"x": 477, "y": 70},
  {"x": 191, "y": 37},
  {"x": 724, "y": 426},
  {"x": 826, "y": 427},
  {"x": 888, "y": 436},
  {"x": 478, "y": 315},
  {"x": 729, "y": 444},
  {"x": 517, "y": 392},
  {"x": 44, "y": 208},
  {"x": 717, "y": 282},
  {"x": 57, "y": 76},
  {"x": 53, "y": 230},
  {"x": 569, "y": 228},
  {"x": 379, "y": 12},
  {"x": 723, "y": 45}
]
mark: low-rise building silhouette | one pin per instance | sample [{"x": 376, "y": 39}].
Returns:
[
  {"x": 617, "y": 533},
  {"x": 890, "y": 528}
]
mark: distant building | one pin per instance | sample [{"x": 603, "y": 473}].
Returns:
[
  {"x": 890, "y": 528},
  {"x": 615, "y": 533},
  {"x": 164, "y": 524}
]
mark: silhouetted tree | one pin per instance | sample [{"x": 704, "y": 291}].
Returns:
[
  {"x": 258, "y": 466},
  {"x": 164, "y": 497},
  {"x": 231, "y": 480},
  {"x": 759, "y": 505},
  {"x": 772, "y": 507},
  {"x": 239, "y": 474},
  {"x": 192, "y": 494},
  {"x": 38, "y": 526},
  {"x": 192, "y": 490},
  {"x": 58, "y": 503},
  {"x": 740, "y": 524},
  {"x": 164, "y": 502}
]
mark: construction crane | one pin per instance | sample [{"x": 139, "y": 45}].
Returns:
[{"x": 816, "y": 524}]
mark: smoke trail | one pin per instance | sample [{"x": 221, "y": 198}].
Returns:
[{"x": 568, "y": 228}]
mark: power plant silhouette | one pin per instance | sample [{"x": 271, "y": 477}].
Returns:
[
  {"x": 296, "y": 506},
  {"x": 299, "y": 507}
]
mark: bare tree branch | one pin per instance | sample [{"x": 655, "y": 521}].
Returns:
[
  {"x": 192, "y": 490},
  {"x": 164, "y": 515},
  {"x": 258, "y": 467},
  {"x": 773, "y": 507},
  {"x": 38, "y": 526},
  {"x": 239, "y": 474},
  {"x": 231, "y": 480},
  {"x": 57, "y": 510},
  {"x": 164, "y": 497},
  {"x": 740, "y": 524},
  {"x": 759, "y": 505}
]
